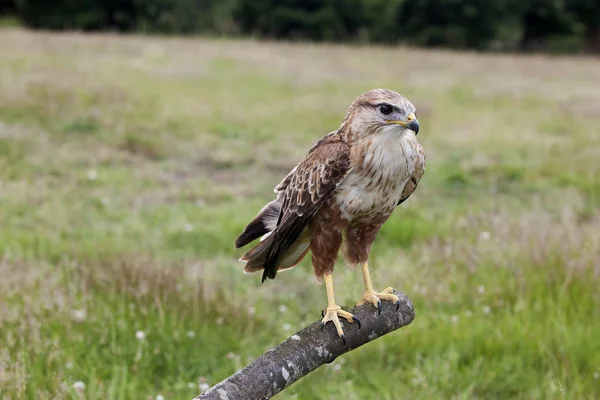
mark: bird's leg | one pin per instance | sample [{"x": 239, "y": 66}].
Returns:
[
  {"x": 333, "y": 311},
  {"x": 373, "y": 297}
]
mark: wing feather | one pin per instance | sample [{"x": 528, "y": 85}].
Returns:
[{"x": 304, "y": 191}]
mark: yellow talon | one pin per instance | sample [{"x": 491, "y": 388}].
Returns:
[
  {"x": 332, "y": 314},
  {"x": 376, "y": 297},
  {"x": 333, "y": 311},
  {"x": 373, "y": 297}
]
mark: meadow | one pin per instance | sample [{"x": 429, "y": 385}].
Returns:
[{"x": 129, "y": 165}]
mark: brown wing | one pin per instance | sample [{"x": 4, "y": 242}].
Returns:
[
  {"x": 285, "y": 182},
  {"x": 267, "y": 217},
  {"x": 305, "y": 190},
  {"x": 413, "y": 181},
  {"x": 281, "y": 186}
]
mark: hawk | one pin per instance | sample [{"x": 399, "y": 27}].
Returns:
[{"x": 339, "y": 196}]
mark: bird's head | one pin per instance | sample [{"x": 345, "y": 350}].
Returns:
[{"x": 380, "y": 109}]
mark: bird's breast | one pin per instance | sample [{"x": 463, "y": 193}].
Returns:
[{"x": 380, "y": 171}]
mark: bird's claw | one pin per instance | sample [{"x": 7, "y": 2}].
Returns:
[
  {"x": 376, "y": 297},
  {"x": 333, "y": 314}
]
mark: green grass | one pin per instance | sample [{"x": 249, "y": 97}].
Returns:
[{"x": 128, "y": 165}]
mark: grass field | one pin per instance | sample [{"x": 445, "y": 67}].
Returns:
[{"x": 128, "y": 165}]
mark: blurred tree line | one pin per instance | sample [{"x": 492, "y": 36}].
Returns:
[{"x": 547, "y": 25}]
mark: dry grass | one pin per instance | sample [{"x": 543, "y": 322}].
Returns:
[{"x": 129, "y": 164}]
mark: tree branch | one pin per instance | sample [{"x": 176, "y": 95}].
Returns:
[{"x": 309, "y": 349}]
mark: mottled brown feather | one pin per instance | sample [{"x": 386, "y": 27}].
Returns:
[
  {"x": 342, "y": 192},
  {"x": 263, "y": 223},
  {"x": 311, "y": 183}
]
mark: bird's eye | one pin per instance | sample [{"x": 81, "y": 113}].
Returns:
[{"x": 385, "y": 109}]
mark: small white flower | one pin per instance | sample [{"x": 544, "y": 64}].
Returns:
[
  {"x": 596, "y": 375},
  {"x": 140, "y": 335},
  {"x": 188, "y": 227},
  {"x": 204, "y": 386},
  {"x": 251, "y": 310},
  {"x": 337, "y": 367},
  {"x": 78, "y": 315},
  {"x": 468, "y": 313},
  {"x": 454, "y": 319},
  {"x": 232, "y": 356},
  {"x": 480, "y": 289},
  {"x": 282, "y": 308},
  {"x": 485, "y": 235},
  {"x": 191, "y": 334},
  {"x": 191, "y": 385},
  {"x": 286, "y": 327},
  {"x": 486, "y": 309},
  {"x": 69, "y": 365},
  {"x": 220, "y": 321},
  {"x": 92, "y": 174},
  {"x": 79, "y": 386},
  {"x": 159, "y": 397}
]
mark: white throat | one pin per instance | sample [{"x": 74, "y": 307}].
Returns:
[{"x": 377, "y": 183}]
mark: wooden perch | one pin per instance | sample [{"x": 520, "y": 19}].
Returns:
[{"x": 309, "y": 349}]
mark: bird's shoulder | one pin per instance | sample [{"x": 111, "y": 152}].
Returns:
[
  {"x": 316, "y": 177},
  {"x": 327, "y": 157}
]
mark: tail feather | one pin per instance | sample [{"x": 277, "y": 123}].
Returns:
[
  {"x": 263, "y": 223},
  {"x": 256, "y": 257},
  {"x": 263, "y": 226}
]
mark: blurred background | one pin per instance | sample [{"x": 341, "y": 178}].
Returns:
[
  {"x": 551, "y": 25},
  {"x": 137, "y": 139}
]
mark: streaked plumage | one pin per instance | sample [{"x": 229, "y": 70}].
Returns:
[{"x": 346, "y": 187}]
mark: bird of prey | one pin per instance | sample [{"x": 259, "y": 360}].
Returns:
[{"x": 340, "y": 195}]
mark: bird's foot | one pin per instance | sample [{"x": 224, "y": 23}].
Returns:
[
  {"x": 332, "y": 314},
  {"x": 376, "y": 297}
]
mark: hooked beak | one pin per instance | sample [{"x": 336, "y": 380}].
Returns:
[{"x": 411, "y": 123}]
